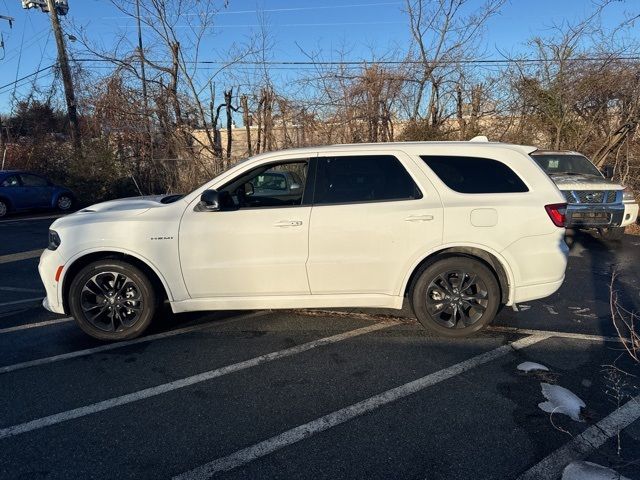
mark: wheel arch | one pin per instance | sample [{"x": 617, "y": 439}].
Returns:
[
  {"x": 158, "y": 282},
  {"x": 490, "y": 260},
  {"x": 7, "y": 202}
]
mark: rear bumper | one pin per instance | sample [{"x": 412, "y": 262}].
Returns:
[{"x": 595, "y": 215}]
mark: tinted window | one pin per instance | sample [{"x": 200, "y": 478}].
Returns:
[
  {"x": 475, "y": 175},
  {"x": 566, "y": 164},
  {"x": 363, "y": 179},
  {"x": 33, "y": 181},
  {"x": 11, "y": 181}
]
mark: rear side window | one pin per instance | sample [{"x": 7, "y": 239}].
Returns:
[
  {"x": 366, "y": 178},
  {"x": 33, "y": 181},
  {"x": 475, "y": 175}
]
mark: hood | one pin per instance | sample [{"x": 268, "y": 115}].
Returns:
[
  {"x": 583, "y": 182},
  {"x": 135, "y": 205},
  {"x": 112, "y": 210}
]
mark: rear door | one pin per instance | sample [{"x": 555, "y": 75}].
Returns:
[{"x": 374, "y": 216}]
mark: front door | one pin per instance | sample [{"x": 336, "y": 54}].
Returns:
[{"x": 259, "y": 246}]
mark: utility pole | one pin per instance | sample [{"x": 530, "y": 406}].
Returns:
[{"x": 55, "y": 7}]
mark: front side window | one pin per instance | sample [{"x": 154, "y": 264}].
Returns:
[
  {"x": 33, "y": 181},
  {"x": 475, "y": 175},
  {"x": 11, "y": 181},
  {"x": 272, "y": 185},
  {"x": 366, "y": 178}
]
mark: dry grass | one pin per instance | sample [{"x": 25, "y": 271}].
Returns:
[{"x": 633, "y": 229}]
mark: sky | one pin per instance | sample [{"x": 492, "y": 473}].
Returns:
[{"x": 367, "y": 28}]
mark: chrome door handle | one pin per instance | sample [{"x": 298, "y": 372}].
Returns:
[
  {"x": 419, "y": 218},
  {"x": 288, "y": 223}
]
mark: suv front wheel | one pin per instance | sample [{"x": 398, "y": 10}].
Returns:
[
  {"x": 455, "y": 296},
  {"x": 112, "y": 300}
]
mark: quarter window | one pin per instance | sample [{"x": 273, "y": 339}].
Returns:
[
  {"x": 475, "y": 175},
  {"x": 367, "y": 178}
]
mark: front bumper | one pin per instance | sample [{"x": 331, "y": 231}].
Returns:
[
  {"x": 48, "y": 266},
  {"x": 595, "y": 215}
]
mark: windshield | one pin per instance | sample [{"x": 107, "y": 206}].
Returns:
[{"x": 555, "y": 164}]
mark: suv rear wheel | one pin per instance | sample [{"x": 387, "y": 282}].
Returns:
[
  {"x": 455, "y": 296},
  {"x": 112, "y": 300}
]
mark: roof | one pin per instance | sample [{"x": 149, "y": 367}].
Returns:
[
  {"x": 556, "y": 152},
  {"x": 411, "y": 147}
]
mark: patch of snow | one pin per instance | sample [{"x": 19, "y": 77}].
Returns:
[
  {"x": 532, "y": 366},
  {"x": 590, "y": 471},
  {"x": 561, "y": 400}
]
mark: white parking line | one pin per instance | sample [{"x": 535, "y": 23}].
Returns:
[
  {"x": 113, "y": 346},
  {"x": 20, "y": 302},
  {"x": 551, "y": 333},
  {"x": 301, "y": 432},
  {"x": 30, "y": 219},
  {"x": 184, "y": 382},
  {"x": 28, "y": 326},
  {"x": 587, "y": 442},
  {"x": 23, "y": 290},
  {"x": 16, "y": 257}
]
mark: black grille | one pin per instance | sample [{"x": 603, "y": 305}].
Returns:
[{"x": 611, "y": 197}]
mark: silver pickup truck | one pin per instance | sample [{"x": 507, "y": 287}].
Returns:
[{"x": 593, "y": 200}]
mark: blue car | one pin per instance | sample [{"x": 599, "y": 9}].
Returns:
[{"x": 20, "y": 191}]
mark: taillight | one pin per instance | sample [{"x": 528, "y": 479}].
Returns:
[{"x": 556, "y": 213}]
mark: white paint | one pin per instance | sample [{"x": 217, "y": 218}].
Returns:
[
  {"x": 16, "y": 257},
  {"x": 561, "y": 400},
  {"x": 551, "y": 333},
  {"x": 532, "y": 367},
  {"x": 28, "y": 326},
  {"x": 307, "y": 430},
  {"x": 184, "y": 382},
  {"x": 20, "y": 302},
  {"x": 581, "y": 470},
  {"x": 113, "y": 346},
  {"x": 551, "y": 310},
  {"x": 588, "y": 441},
  {"x": 24, "y": 290}
]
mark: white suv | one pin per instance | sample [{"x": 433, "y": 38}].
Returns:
[{"x": 458, "y": 228}]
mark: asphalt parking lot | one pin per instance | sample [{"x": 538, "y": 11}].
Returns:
[{"x": 288, "y": 394}]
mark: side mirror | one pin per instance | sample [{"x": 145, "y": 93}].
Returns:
[
  {"x": 214, "y": 201},
  {"x": 607, "y": 171},
  {"x": 248, "y": 189}
]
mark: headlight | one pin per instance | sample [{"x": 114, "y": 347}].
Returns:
[
  {"x": 628, "y": 196},
  {"x": 54, "y": 240}
]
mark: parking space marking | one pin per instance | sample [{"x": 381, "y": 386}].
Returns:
[
  {"x": 113, "y": 346},
  {"x": 22, "y": 290},
  {"x": 27, "y": 326},
  {"x": 587, "y": 442},
  {"x": 16, "y": 257},
  {"x": 19, "y": 302},
  {"x": 551, "y": 333},
  {"x": 307, "y": 430},
  {"x": 30, "y": 219},
  {"x": 184, "y": 382}
]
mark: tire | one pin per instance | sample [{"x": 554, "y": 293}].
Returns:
[
  {"x": 122, "y": 295},
  {"x": 439, "y": 303},
  {"x": 64, "y": 203},
  {"x": 611, "y": 233},
  {"x": 4, "y": 208}
]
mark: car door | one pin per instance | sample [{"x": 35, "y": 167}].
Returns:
[
  {"x": 371, "y": 222},
  {"x": 258, "y": 247},
  {"x": 36, "y": 191}
]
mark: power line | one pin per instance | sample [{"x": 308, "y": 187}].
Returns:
[{"x": 27, "y": 76}]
